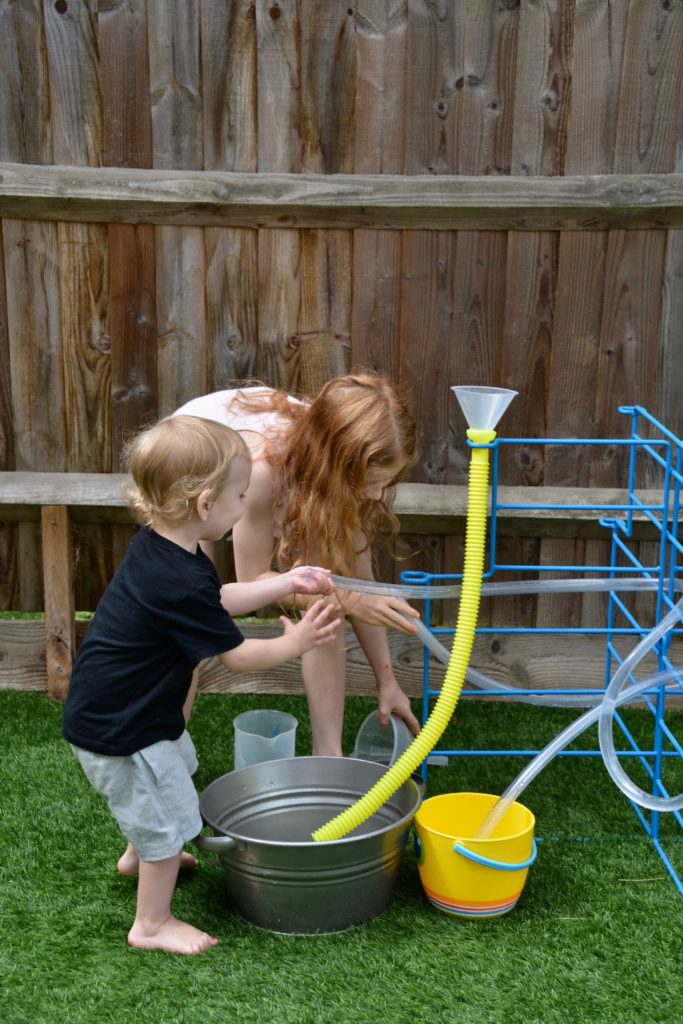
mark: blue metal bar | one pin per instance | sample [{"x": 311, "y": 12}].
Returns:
[
  {"x": 662, "y": 456},
  {"x": 532, "y": 753}
]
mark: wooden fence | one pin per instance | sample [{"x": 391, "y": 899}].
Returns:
[{"x": 199, "y": 191}]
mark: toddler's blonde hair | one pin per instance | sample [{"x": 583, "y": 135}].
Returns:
[{"x": 173, "y": 461}]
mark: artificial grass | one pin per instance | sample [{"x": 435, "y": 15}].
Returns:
[{"x": 595, "y": 937}]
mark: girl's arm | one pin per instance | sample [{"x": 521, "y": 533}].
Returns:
[
  {"x": 374, "y": 609},
  {"x": 373, "y": 639},
  {"x": 390, "y": 697}
]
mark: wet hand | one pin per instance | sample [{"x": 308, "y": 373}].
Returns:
[
  {"x": 317, "y": 628},
  {"x": 389, "y": 612},
  {"x": 391, "y": 700},
  {"x": 310, "y": 579}
]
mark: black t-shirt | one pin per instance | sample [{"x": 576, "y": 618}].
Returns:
[{"x": 160, "y": 616}]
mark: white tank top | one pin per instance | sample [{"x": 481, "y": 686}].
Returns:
[{"x": 218, "y": 406}]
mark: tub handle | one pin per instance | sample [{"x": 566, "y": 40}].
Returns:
[
  {"x": 499, "y": 865},
  {"x": 215, "y": 844}
]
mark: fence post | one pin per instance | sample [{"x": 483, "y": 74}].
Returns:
[{"x": 60, "y": 627}]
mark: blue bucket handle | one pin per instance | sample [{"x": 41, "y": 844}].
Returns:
[{"x": 499, "y": 865}]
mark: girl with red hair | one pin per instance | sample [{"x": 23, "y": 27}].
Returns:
[{"x": 322, "y": 487}]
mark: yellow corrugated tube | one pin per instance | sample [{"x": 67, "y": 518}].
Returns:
[{"x": 461, "y": 651}]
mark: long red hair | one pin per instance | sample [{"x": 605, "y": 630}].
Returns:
[{"x": 354, "y": 424}]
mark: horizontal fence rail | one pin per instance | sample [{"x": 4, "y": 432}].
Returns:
[{"x": 258, "y": 200}]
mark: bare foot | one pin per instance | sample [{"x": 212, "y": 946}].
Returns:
[
  {"x": 129, "y": 862},
  {"x": 172, "y": 936}
]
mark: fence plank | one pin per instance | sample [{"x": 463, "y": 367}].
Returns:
[
  {"x": 9, "y": 590},
  {"x": 670, "y": 366},
  {"x": 175, "y": 84},
  {"x": 127, "y": 143},
  {"x": 652, "y": 78},
  {"x": 73, "y": 61},
  {"x": 73, "y": 66},
  {"x": 124, "y": 72},
  {"x": 598, "y": 28},
  {"x": 381, "y": 27},
  {"x": 177, "y": 141},
  {"x": 432, "y": 51},
  {"x": 229, "y": 75},
  {"x": 32, "y": 315},
  {"x": 25, "y": 123},
  {"x": 279, "y": 149},
  {"x": 485, "y": 121},
  {"x": 541, "y": 96},
  {"x": 60, "y": 629},
  {"x": 327, "y": 90}
]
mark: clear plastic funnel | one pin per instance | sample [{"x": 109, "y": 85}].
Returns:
[{"x": 482, "y": 406}]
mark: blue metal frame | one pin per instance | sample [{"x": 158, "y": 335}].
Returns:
[{"x": 652, "y": 449}]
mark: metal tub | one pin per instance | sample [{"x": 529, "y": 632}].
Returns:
[{"x": 262, "y": 818}]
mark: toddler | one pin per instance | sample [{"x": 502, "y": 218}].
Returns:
[{"x": 136, "y": 672}]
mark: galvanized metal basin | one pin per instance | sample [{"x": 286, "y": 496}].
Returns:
[{"x": 262, "y": 818}]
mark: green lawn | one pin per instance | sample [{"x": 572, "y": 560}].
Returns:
[{"x": 596, "y": 936}]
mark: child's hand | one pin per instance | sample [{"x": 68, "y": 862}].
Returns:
[
  {"x": 309, "y": 579},
  {"x": 315, "y": 629}
]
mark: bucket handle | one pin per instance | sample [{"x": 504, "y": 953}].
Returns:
[
  {"x": 499, "y": 865},
  {"x": 215, "y": 844}
]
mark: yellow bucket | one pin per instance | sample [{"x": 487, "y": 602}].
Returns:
[{"x": 468, "y": 877}]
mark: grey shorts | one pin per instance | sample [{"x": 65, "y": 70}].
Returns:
[{"x": 150, "y": 793}]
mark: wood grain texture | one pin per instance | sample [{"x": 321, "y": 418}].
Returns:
[
  {"x": 279, "y": 149},
  {"x": 175, "y": 84},
  {"x": 421, "y": 507},
  {"x": 60, "y": 629},
  {"x": 669, "y": 385},
  {"x": 9, "y": 593},
  {"x": 25, "y": 122},
  {"x": 581, "y": 203},
  {"x": 181, "y": 342},
  {"x": 73, "y": 67},
  {"x": 380, "y": 94},
  {"x": 542, "y": 661},
  {"x": 512, "y": 167},
  {"x": 32, "y": 299},
  {"x": 229, "y": 84},
  {"x": 132, "y": 319},
  {"x": 229, "y": 76},
  {"x": 124, "y": 76}
]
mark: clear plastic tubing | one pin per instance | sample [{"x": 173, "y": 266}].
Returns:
[
  {"x": 603, "y": 713},
  {"x": 608, "y": 707},
  {"x": 563, "y": 739},
  {"x": 512, "y": 588}
]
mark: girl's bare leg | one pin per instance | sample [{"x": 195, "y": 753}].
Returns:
[
  {"x": 324, "y": 675},
  {"x": 154, "y": 926},
  {"x": 129, "y": 862},
  {"x": 191, "y": 694}
]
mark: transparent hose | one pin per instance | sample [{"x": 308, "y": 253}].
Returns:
[
  {"x": 510, "y": 588},
  {"x": 482, "y": 682},
  {"x": 608, "y": 707},
  {"x": 563, "y": 739}
]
